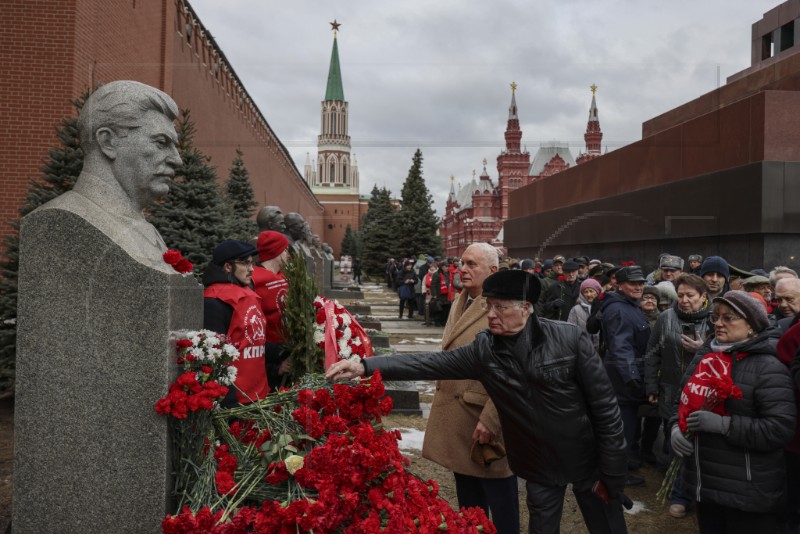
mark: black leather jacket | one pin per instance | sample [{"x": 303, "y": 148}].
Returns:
[{"x": 560, "y": 418}]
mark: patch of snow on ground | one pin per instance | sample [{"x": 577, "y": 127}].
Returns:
[
  {"x": 638, "y": 506},
  {"x": 412, "y": 439},
  {"x": 427, "y": 340}
]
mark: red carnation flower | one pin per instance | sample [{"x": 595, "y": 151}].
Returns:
[
  {"x": 172, "y": 257},
  {"x": 184, "y": 266}
]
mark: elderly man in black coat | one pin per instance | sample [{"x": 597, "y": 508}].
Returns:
[{"x": 559, "y": 413}]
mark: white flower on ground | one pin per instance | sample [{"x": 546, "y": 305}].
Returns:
[{"x": 294, "y": 463}]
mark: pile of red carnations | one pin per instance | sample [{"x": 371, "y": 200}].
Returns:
[{"x": 315, "y": 458}]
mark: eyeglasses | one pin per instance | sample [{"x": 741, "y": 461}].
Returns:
[
  {"x": 246, "y": 263},
  {"x": 499, "y": 308},
  {"x": 726, "y": 318},
  {"x": 650, "y": 298}
]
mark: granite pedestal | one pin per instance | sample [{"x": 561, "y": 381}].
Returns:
[{"x": 94, "y": 354}]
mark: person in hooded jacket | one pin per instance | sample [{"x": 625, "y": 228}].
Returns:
[
  {"x": 734, "y": 466},
  {"x": 590, "y": 289},
  {"x": 405, "y": 282}
]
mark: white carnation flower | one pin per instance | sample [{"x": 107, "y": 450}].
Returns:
[
  {"x": 230, "y": 377},
  {"x": 215, "y": 354},
  {"x": 212, "y": 341},
  {"x": 195, "y": 340},
  {"x": 200, "y": 354},
  {"x": 346, "y": 320},
  {"x": 230, "y": 351},
  {"x": 319, "y": 336},
  {"x": 347, "y": 334},
  {"x": 356, "y": 341},
  {"x": 355, "y": 358}
]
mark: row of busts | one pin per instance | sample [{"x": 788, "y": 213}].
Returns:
[{"x": 293, "y": 226}]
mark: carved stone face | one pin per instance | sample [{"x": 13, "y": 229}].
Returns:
[
  {"x": 327, "y": 248},
  {"x": 294, "y": 225},
  {"x": 307, "y": 232},
  {"x": 316, "y": 241},
  {"x": 270, "y": 218},
  {"x": 145, "y": 158}
]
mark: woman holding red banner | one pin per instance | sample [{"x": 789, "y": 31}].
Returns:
[{"x": 736, "y": 412}]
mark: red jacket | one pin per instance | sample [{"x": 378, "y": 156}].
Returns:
[
  {"x": 271, "y": 287},
  {"x": 247, "y": 333}
]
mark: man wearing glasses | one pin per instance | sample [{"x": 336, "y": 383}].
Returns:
[
  {"x": 230, "y": 307},
  {"x": 559, "y": 414},
  {"x": 463, "y": 418}
]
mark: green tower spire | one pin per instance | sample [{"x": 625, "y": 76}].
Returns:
[{"x": 334, "y": 91}]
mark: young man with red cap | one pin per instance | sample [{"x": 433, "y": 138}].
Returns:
[
  {"x": 271, "y": 285},
  {"x": 230, "y": 307}
]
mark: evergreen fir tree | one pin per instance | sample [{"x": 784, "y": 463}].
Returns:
[
  {"x": 350, "y": 243},
  {"x": 378, "y": 233},
  {"x": 417, "y": 223},
  {"x": 194, "y": 217},
  {"x": 59, "y": 172},
  {"x": 241, "y": 197}
]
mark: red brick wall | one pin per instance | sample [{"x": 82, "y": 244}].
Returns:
[
  {"x": 37, "y": 40},
  {"x": 55, "y": 50}
]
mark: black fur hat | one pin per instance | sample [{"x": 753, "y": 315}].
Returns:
[{"x": 512, "y": 285}]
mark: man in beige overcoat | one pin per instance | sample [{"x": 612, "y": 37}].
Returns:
[{"x": 463, "y": 416}]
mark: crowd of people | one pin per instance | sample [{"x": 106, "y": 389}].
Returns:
[{"x": 668, "y": 340}]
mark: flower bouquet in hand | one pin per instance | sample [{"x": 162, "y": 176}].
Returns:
[{"x": 702, "y": 405}]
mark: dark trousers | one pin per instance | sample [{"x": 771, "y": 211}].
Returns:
[
  {"x": 631, "y": 426},
  {"x": 410, "y": 303},
  {"x": 421, "y": 305},
  {"x": 546, "y": 504},
  {"x": 791, "y": 516},
  {"x": 498, "y": 496},
  {"x": 713, "y": 518}
]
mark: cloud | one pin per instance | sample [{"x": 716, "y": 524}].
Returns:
[{"x": 436, "y": 75}]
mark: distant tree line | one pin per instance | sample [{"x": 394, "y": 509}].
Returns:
[{"x": 388, "y": 233}]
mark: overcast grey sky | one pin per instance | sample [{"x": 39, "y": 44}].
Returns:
[{"x": 435, "y": 74}]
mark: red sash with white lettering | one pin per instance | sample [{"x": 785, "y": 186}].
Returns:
[
  {"x": 271, "y": 287},
  {"x": 714, "y": 365},
  {"x": 247, "y": 333}
]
